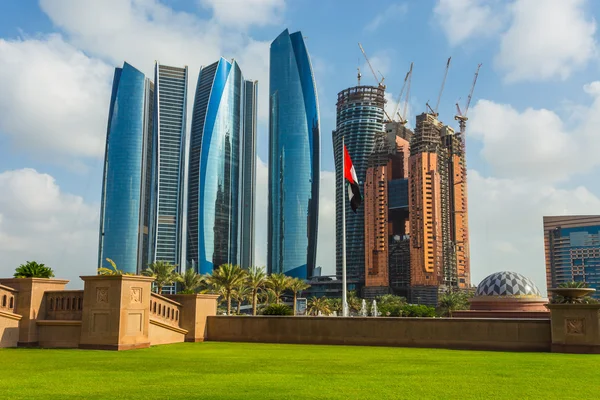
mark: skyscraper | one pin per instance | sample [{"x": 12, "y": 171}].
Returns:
[
  {"x": 572, "y": 246},
  {"x": 124, "y": 212},
  {"x": 438, "y": 210},
  {"x": 168, "y": 163},
  {"x": 387, "y": 264},
  {"x": 294, "y": 152},
  {"x": 359, "y": 119},
  {"x": 221, "y": 168}
]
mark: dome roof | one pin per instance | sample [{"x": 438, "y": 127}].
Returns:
[{"x": 507, "y": 284}]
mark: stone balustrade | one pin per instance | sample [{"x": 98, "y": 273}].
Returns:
[
  {"x": 66, "y": 305},
  {"x": 8, "y": 299},
  {"x": 165, "y": 310}
]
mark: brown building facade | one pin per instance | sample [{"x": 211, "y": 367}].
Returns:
[{"x": 439, "y": 238}]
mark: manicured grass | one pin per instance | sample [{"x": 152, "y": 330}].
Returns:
[{"x": 264, "y": 371}]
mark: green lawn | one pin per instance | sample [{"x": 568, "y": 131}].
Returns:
[{"x": 264, "y": 371}]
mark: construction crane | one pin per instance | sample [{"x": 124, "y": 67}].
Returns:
[
  {"x": 403, "y": 119},
  {"x": 359, "y": 75},
  {"x": 437, "y": 105},
  {"x": 460, "y": 116},
  {"x": 379, "y": 82},
  {"x": 407, "y": 80}
]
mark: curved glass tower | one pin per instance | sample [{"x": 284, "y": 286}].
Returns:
[
  {"x": 215, "y": 188},
  {"x": 294, "y": 152},
  {"x": 124, "y": 214}
]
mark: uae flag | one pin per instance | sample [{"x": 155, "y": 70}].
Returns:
[{"x": 350, "y": 175}]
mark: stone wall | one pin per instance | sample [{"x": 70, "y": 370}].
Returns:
[{"x": 450, "y": 333}]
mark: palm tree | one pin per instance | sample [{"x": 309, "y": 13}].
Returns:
[
  {"x": 452, "y": 301},
  {"x": 354, "y": 302},
  {"x": 163, "y": 273},
  {"x": 241, "y": 293},
  {"x": 278, "y": 283},
  {"x": 32, "y": 269},
  {"x": 190, "y": 281},
  {"x": 227, "y": 277},
  {"x": 267, "y": 297},
  {"x": 111, "y": 271},
  {"x": 318, "y": 304},
  {"x": 297, "y": 285},
  {"x": 256, "y": 280}
]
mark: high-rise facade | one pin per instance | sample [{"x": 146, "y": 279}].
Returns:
[
  {"x": 124, "y": 212},
  {"x": 387, "y": 264},
  {"x": 170, "y": 104},
  {"x": 221, "y": 168},
  {"x": 438, "y": 210},
  {"x": 360, "y": 117},
  {"x": 294, "y": 158},
  {"x": 572, "y": 247}
]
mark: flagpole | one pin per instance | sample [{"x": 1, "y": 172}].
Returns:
[{"x": 344, "y": 288}]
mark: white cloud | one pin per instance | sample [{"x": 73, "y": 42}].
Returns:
[
  {"x": 245, "y": 13},
  {"x": 538, "y": 143},
  {"x": 40, "y": 222},
  {"x": 462, "y": 20},
  {"x": 547, "y": 41},
  {"x": 506, "y": 226},
  {"x": 54, "y": 98},
  {"x": 393, "y": 12}
]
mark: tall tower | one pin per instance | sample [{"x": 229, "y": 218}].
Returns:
[
  {"x": 359, "y": 118},
  {"x": 294, "y": 165},
  {"x": 170, "y": 103},
  {"x": 437, "y": 201},
  {"x": 248, "y": 178},
  {"x": 124, "y": 211},
  {"x": 221, "y": 146},
  {"x": 387, "y": 264}
]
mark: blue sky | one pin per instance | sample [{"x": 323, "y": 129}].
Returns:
[{"x": 532, "y": 136}]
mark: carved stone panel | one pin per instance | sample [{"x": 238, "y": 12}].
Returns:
[
  {"x": 575, "y": 326},
  {"x": 102, "y": 295},
  {"x": 136, "y": 295}
]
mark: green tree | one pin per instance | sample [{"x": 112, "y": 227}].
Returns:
[
  {"x": 256, "y": 279},
  {"x": 354, "y": 302},
  {"x": 297, "y": 285},
  {"x": 163, "y": 272},
  {"x": 227, "y": 278},
  {"x": 278, "y": 283},
  {"x": 390, "y": 305},
  {"x": 316, "y": 304},
  {"x": 111, "y": 271},
  {"x": 32, "y": 269},
  {"x": 335, "y": 305},
  {"x": 240, "y": 294},
  {"x": 452, "y": 301},
  {"x": 190, "y": 281}
]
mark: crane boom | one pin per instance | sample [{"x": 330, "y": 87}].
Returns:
[
  {"x": 402, "y": 91},
  {"x": 442, "y": 88},
  {"x": 379, "y": 82},
  {"x": 403, "y": 119},
  {"x": 472, "y": 89}
]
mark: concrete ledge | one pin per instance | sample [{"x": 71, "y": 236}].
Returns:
[
  {"x": 8, "y": 315},
  {"x": 58, "y": 322},
  {"x": 116, "y": 347},
  {"x": 167, "y": 326},
  {"x": 449, "y": 333},
  {"x": 575, "y": 348}
]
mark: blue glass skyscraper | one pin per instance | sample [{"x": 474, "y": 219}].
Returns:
[
  {"x": 170, "y": 108},
  {"x": 124, "y": 214},
  {"x": 223, "y": 123},
  {"x": 294, "y": 153}
]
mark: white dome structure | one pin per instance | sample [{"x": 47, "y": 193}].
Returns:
[{"x": 505, "y": 284}]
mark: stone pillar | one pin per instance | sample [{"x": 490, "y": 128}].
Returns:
[
  {"x": 194, "y": 312},
  {"x": 115, "y": 312},
  {"x": 31, "y": 304},
  {"x": 575, "y": 328}
]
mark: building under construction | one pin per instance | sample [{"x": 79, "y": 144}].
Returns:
[
  {"x": 439, "y": 238},
  {"x": 387, "y": 260}
]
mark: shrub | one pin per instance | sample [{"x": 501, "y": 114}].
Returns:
[
  {"x": 413, "y": 310},
  {"x": 33, "y": 270},
  {"x": 187, "y": 291},
  {"x": 277, "y": 309}
]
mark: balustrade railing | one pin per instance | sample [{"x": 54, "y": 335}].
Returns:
[
  {"x": 8, "y": 299},
  {"x": 165, "y": 310},
  {"x": 64, "y": 304}
]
